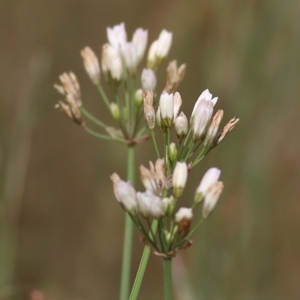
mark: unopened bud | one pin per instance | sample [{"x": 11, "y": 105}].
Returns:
[
  {"x": 180, "y": 175},
  {"x": 148, "y": 109},
  {"x": 213, "y": 128},
  {"x": 166, "y": 105},
  {"x": 148, "y": 79},
  {"x": 211, "y": 198},
  {"x": 183, "y": 218},
  {"x": 115, "y": 111},
  {"x": 138, "y": 97},
  {"x": 181, "y": 126},
  {"x": 169, "y": 206},
  {"x": 211, "y": 176},
  {"x": 172, "y": 152},
  {"x": 139, "y": 39},
  {"x": 91, "y": 64}
]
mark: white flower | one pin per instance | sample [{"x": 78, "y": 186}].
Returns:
[
  {"x": 130, "y": 57},
  {"x": 91, "y": 64},
  {"x": 205, "y": 95},
  {"x": 202, "y": 118},
  {"x": 117, "y": 35},
  {"x": 151, "y": 59},
  {"x": 125, "y": 194},
  {"x": 177, "y": 104},
  {"x": 112, "y": 62},
  {"x": 179, "y": 179},
  {"x": 150, "y": 205},
  {"x": 139, "y": 40},
  {"x": 148, "y": 79},
  {"x": 211, "y": 176},
  {"x": 163, "y": 44},
  {"x": 183, "y": 213},
  {"x": 166, "y": 105},
  {"x": 211, "y": 198},
  {"x": 181, "y": 125}
]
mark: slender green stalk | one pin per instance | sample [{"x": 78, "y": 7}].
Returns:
[
  {"x": 99, "y": 135},
  {"x": 168, "y": 278},
  {"x": 92, "y": 118},
  {"x": 154, "y": 142},
  {"x": 127, "y": 246},
  {"x": 142, "y": 267},
  {"x": 103, "y": 95}
]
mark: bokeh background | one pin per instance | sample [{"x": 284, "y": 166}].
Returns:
[{"x": 61, "y": 229}]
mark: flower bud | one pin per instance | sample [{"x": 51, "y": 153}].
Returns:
[
  {"x": 148, "y": 80},
  {"x": 138, "y": 97},
  {"x": 166, "y": 105},
  {"x": 172, "y": 152},
  {"x": 205, "y": 95},
  {"x": 115, "y": 111},
  {"x": 148, "y": 109},
  {"x": 213, "y": 128},
  {"x": 91, "y": 64},
  {"x": 181, "y": 126},
  {"x": 179, "y": 178},
  {"x": 211, "y": 198},
  {"x": 203, "y": 115},
  {"x": 150, "y": 205},
  {"x": 183, "y": 218},
  {"x": 125, "y": 194},
  {"x": 151, "y": 60},
  {"x": 169, "y": 205},
  {"x": 139, "y": 40},
  {"x": 163, "y": 44},
  {"x": 111, "y": 63},
  {"x": 177, "y": 104},
  {"x": 130, "y": 58},
  {"x": 211, "y": 176},
  {"x": 159, "y": 122},
  {"x": 117, "y": 35}
]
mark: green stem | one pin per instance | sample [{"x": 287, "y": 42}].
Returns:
[
  {"x": 103, "y": 95},
  {"x": 154, "y": 142},
  {"x": 142, "y": 267},
  {"x": 127, "y": 246},
  {"x": 92, "y": 118},
  {"x": 168, "y": 278},
  {"x": 99, "y": 135}
]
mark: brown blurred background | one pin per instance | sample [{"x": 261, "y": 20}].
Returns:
[{"x": 61, "y": 229}]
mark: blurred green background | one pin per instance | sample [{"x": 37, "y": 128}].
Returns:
[{"x": 61, "y": 229}]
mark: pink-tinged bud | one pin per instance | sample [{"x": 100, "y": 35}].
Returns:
[
  {"x": 211, "y": 198},
  {"x": 150, "y": 205},
  {"x": 177, "y": 104},
  {"x": 205, "y": 95},
  {"x": 130, "y": 58},
  {"x": 148, "y": 80},
  {"x": 166, "y": 105},
  {"x": 213, "y": 129},
  {"x": 183, "y": 218},
  {"x": 179, "y": 179},
  {"x": 163, "y": 44},
  {"x": 125, "y": 194},
  {"x": 211, "y": 176},
  {"x": 112, "y": 63},
  {"x": 117, "y": 35},
  {"x": 91, "y": 64},
  {"x": 202, "y": 119},
  {"x": 181, "y": 126},
  {"x": 140, "y": 39}
]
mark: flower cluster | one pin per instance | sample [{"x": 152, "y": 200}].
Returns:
[
  {"x": 202, "y": 130},
  {"x": 119, "y": 65},
  {"x": 159, "y": 201}
]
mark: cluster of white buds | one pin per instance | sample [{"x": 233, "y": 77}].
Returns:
[
  {"x": 159, "y": 199},
  {"x": 201, "y": 130},
  {"x": 120, "y": 59}
]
